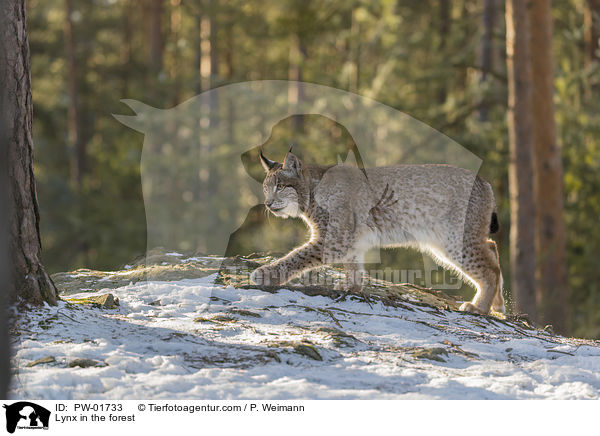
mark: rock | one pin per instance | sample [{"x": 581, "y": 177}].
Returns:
[
  {"x": 85, "y": 363},
  {"x": 244, "y": 312},
  {"x": 202, "y": 319},
  {"x": 273, "y": 355},
  {"x": 340, "y": 338},
  {"x": 106, "y": 301},
  {"x": 215, "y": 319},
  {"x": 223, "y": 318},
  {"x": 47, "y": 359},
  {"x": 308, "y": 351},
  {"x": 431, "y": 354}
]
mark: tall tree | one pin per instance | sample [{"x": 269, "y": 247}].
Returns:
[
  {"x": 4, "y": 282},
  {"x": 591, "y": 18},
  {"x": 29, "y": 278},
  {"x": 522, "y": 255},
  {"x": 76, "y": 141},
  {"x": 214, "y": 60},
  {"x": 550, "y": 243},
  {"x": 486, "y": 57},
  {"x": 126, "y": 45},
  {"x": 591, "y": 24},
  {"x": 445, "y": 18},
  {"x": 297, "y": 56},
  {"x": 209, "y": 58},
  {"x": 155, "y": 35},
  {"x": 174, "y": 73},
  {"x": 198, "y": 80}
]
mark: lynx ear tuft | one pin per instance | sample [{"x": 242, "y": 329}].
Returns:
[
  {"x": 292, "y": 164},
  {"x": 267, "y": 164}
]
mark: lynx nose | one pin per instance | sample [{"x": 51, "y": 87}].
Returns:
[{"x": 269, "y": 203}]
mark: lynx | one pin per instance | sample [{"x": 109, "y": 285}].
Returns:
[{"x": 442, "y": 210}]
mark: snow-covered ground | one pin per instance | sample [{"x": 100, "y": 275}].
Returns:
[{"x": 191, "y": 339}]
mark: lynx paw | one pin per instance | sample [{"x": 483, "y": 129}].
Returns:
[{"x": 470, "y": 307}]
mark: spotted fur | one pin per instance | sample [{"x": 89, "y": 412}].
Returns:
[{"x": 442, "y": 210}]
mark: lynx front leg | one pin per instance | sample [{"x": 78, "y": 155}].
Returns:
[{"x": 290, "y": 266}]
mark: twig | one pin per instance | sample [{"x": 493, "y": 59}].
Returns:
[{"x": 67, "y": 316}]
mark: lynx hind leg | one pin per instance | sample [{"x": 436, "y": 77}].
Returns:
[
  {"x": 480, "y": 265},
  {"x": 498, "y": 302}
]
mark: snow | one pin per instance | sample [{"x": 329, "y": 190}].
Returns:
[{"x": 191, "y": 339}]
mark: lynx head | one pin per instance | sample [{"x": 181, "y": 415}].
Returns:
[{"x": 286, "y": 190}]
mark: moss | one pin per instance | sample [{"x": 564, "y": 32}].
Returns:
[
  {"x": 339, "y": 337},
  {"x": 243, "y": 312},
  {"x": 45, "y": 324},
  {"x": 202, "y": 319},
  {"x": 431, "y": 354},
  {"x": 307, "y": 350},
  {"x": 105, "y": 301}
]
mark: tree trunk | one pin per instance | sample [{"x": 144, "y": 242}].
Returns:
[
  {"x": 444, "y": 30},
  {"x": 486, "y": 51},
  {"x": 522, "y": 256},
  {"x": 126, "y": 48},
  {"x": 174, "y": 71},
  {"x": 214, "y": 62},
  {"x": 229, "y": 51},
  {"x": 591, "y": 19},
  {"x": 591, "y": 24},
  {"x": 29, "y": 278},
  {"x": 550, "y": 244},
  {"x": 155, "y": 36},
  {"x": 76, "y": 142},
  {"x": 198, "y": 55},
  {"x": 4, "y": 279},
  {"x": 354, "y": 52},
  {"x": 296, "y": 89}
]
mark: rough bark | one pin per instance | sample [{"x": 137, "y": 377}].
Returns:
[
  {"x": 29, "y": 278},
  {"x": 550, "y": 244},
  {"x": 522, "y": 256},
  {"x": 4, "y": 282}
]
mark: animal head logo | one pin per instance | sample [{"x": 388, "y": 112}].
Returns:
[
  {"x": 27, "y": 415},
  {"x": 200, "y": 165}
]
